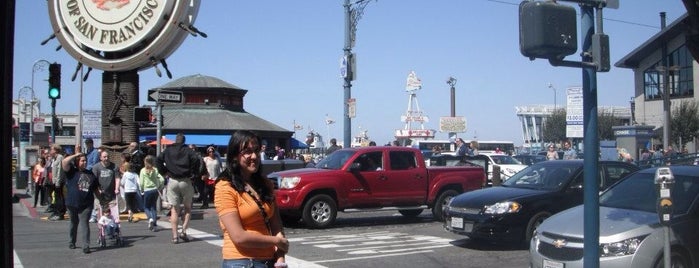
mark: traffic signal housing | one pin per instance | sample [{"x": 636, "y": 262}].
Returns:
[
  {"x": 54, "y": 81},
  {"x": 143, "y": 114},
  {"x": 547, "y": 30}
]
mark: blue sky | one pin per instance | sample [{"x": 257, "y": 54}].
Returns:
[{"x": 286, "y": 53}]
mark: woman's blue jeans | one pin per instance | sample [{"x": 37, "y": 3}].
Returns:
[{"x": 246, "y": 263}]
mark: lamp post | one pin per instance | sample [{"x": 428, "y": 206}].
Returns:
[
  {"x": 38, "y": 66},
  {"x": 353, "y": 12},
  {"x": 29, "y": 91},
  {"x": 452, "y": 89},
  {"x": 554, "y": 96},
  {"x": 555, "y": 107}
]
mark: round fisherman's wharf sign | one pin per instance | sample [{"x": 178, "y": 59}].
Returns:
[
  {"x": 121, "y": 35},
  {"x": 113, "y": 25}
]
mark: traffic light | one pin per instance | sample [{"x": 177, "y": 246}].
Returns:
[{"x": 54, "y": 81}]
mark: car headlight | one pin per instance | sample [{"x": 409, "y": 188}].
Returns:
[
  {"x": 621, "y": 248},
  {"x": 503, "y": 207},
  {"x": 289, "y": 182}
]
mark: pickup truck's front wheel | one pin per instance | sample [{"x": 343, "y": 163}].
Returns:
[
  {"x": 441, "y": 202},
  {"x": 320, "y": 211}
]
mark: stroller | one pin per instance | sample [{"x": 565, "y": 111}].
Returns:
[{"x": 109, "y": 224}]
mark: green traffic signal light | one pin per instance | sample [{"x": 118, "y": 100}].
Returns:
[
  {"x": 54, "y": 81},
  {"x": 54, "y": 93}
]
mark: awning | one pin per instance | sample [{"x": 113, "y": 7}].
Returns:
[
  {"x": 197, "y": 139},
  {"x": 163, "y": 141},
  {"x": 297, "y": 144}
]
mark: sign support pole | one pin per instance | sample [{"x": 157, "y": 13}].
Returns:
[{"x": 159, "y": 128}]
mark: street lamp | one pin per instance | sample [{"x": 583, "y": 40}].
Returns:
[
  {"x": 353, "y": 12},
  {"x": 28, "y": 91},
  {"x": 451, "y": 81},
  {"x": 452, "y": 84},
  {"x": 39, "y": 65},
  {"x": 554, "y": 96}
]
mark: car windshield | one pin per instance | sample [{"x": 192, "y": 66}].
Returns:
[
  {"x": 546, "y": 175},
  {"x": 505, "y": 160},
  {"x": 639, "y": 192},
  {"x": 335, "y": 160}
]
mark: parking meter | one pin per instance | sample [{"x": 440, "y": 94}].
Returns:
[{"x": 664, "y": 180}]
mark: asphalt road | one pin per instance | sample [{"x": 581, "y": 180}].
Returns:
[{"x": 365, "y": 239}]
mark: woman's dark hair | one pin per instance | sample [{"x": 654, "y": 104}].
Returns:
[{"x": 240, "y": 141}]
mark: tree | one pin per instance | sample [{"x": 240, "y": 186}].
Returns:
[
  {"x": 555, "y": 126},
  {"x": 684, "y": 123},
  {"x": 605, "y": 122}
]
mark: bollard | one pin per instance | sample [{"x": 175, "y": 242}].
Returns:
[{"x": 496, "y": 176}]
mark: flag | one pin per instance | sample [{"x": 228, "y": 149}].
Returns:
[
  {"x": 298, "y": 127},
  {"x": 328, "y": 120}
]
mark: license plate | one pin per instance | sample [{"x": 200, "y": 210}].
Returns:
[
  {"x": 553, "y": 264},
  {"x": 457, "y": 222}
]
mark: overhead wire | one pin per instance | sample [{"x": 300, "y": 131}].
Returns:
[{"x": 607, "y": 19}]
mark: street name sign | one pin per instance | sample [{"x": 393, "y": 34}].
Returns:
[{"x": 162, "y": 96}]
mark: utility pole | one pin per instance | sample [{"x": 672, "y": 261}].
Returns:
[
  {"x": 452, "y": 89},
  {"x": 352, "y": 16},
  {"x": 665, "y": 69}
]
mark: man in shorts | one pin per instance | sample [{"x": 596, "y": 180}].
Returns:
[{"x": 179, "y": 164}]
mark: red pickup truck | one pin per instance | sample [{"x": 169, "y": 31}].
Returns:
[{"x": 370, "y": 178}]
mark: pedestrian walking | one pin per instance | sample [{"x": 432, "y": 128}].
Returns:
[
  {"x": 551, "y": 154},
  {"x": 333, "y": 147},
  {"x": 129, "y": 181},
  {"x": 180, "y": 164},
  {"x": 214, "y": 168},
  {"x": 81, "y": 189},
  {"x": 150, "y": 182},
  {"x": 568, "y": 151},
  {"x": 58, "y": 179},
  {"x": 107, "y": 175}
]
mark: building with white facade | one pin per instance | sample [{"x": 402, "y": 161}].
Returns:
[{"x": 532, "y": 118}]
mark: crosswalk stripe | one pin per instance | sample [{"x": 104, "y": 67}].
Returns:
[{"x": 218, "y": 241}]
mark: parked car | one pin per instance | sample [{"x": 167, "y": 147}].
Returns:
[
  {"x": 630, "y": 232},
  {"x": 510, "y": 213},
  {"x": 529, "y": 159},
  {"x": 508, "y": 165}
]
